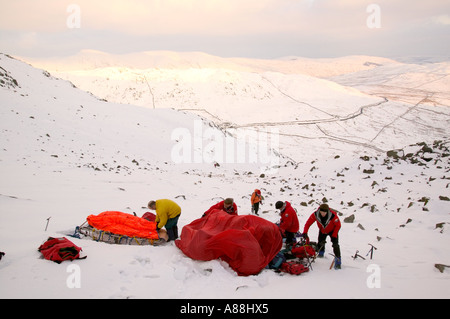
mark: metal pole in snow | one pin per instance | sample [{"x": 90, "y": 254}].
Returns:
[{"x": 48, "y": 219}]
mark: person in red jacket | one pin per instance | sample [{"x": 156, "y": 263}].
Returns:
[
  {"x": 289, "y": 225},
  {"x": 329, "y": 225},
  {"x": 228, "y": 205}
]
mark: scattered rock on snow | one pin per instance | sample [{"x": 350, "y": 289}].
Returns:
[
  {"x": 441, "y": 267},
  {"x": 6, "y": 80},
  {"x": 440, "y": 225},
  {"x": 349, "y": 219},
  {"x": 407, "y": 222},
  {"x": 393, "y": 154}
]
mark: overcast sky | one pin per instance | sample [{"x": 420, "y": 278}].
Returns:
[{"x": 227, "y": 28}]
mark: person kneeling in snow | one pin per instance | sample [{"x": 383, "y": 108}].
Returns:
[
  {"x": 329, "y": 225},
  {"x": 289, "y": 225},
  {"x": 167, "y": 215},
  {"x": 228, "y": 205}
]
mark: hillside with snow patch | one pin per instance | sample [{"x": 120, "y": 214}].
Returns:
[
  {"x": 65, "y": 154},
  {"x": 299, "y": 97}
]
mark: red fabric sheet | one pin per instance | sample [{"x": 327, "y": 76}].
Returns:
[{"x": 246, "y": 242}]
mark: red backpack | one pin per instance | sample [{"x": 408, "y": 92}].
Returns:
[
  {"x": 304, "y": 251},
  {"x": 60, "y": 249},
  {"x": 149, "y": 216},
  {"x": 293, "y": 268}
]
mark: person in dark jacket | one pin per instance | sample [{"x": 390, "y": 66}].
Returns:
[
  {"x": 289, "y": 225},
  {"x": 329, "y": 225}
]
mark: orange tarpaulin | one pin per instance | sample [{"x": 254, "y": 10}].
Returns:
[{"x": 124, "y": 224}]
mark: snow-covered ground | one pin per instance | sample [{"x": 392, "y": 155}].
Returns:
[{"x": 66, "y": 155}]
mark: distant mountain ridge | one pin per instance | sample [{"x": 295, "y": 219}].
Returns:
[{"x": 92, "y": 59}]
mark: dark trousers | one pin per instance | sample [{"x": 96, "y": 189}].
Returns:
[
  {"x": 172, "y": 228},
  {"x": 256, "y": 207},
  {"x": 290, "y": 237},
  {"x": 334, "y": 240}
]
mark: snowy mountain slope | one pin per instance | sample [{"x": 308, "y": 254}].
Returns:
[
  {"x": 257, "y": 94},
  {"x": 66, "y": 155},
  {"x": 410, "y": 83},
  {"x": 191, "y": 80},
  {"x": 298, "y": 96}
]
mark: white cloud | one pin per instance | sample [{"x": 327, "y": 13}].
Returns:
[
  {"x": 28, "y": 40},
  {"x": 442, "y": 19},
  {"x": 33, "y": 16},
  {"x": 156, "y": 17},
  {"x": 308, "y": 25},
  {"x": 200, "y": 17},
  {"x": 213, "y": 17}
]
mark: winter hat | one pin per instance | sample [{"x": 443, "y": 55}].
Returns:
[
  {"x": 324, "y": 208},
  {"x": 279, "y": 205},
  {"x": 228, "y": 201}
]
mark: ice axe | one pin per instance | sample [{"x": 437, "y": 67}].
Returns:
[
  {"x": 371, "y": 250},
  {"x": 332, "y": 263},
  {"x": 358, "y": 255},
  {"x": 48, "y": 219}
]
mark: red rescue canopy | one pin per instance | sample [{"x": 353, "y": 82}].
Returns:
[{"x": 246, "y": 242}]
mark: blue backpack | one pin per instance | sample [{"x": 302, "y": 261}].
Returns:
[{"x": 277, "y": 261}]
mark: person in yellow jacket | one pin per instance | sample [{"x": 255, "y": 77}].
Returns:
[{"x": 167, "y": 215}]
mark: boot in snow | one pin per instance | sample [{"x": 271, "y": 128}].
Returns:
[{"x": 337, "y": 263}]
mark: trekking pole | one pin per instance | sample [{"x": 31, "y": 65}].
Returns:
[
  {"x": 371, "y": 250},
  {"x": 48, "y": 219}
]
